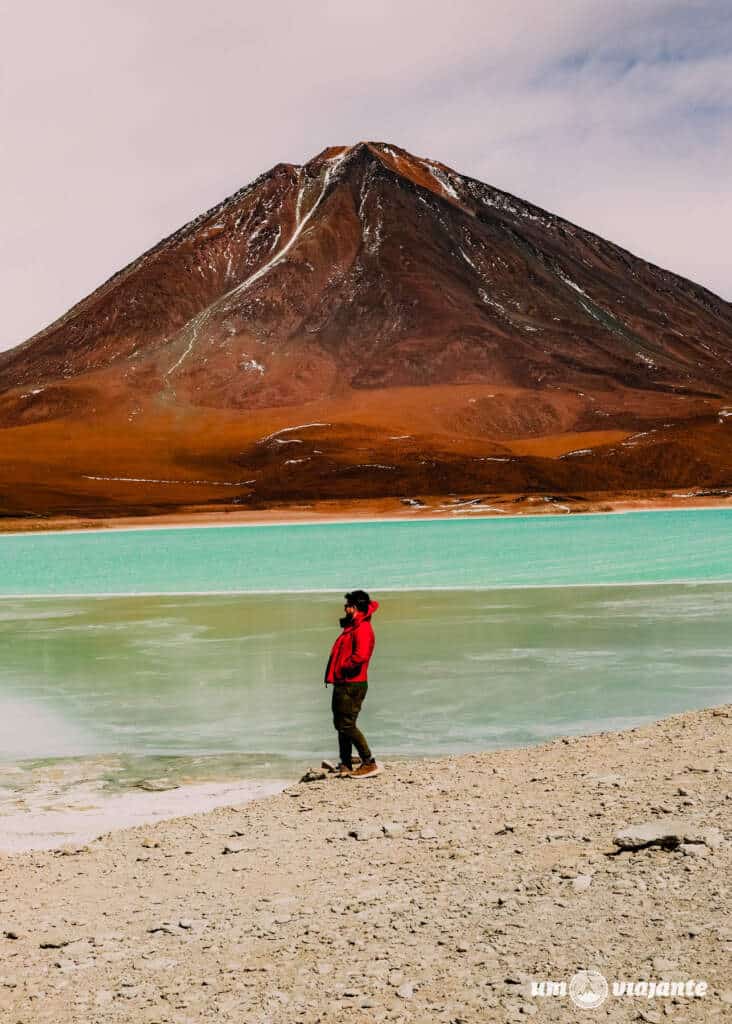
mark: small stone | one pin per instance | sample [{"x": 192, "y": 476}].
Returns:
[
  {"x": 393, "y": 829},
  {"x": 608, "y": 780},
  {"x": 405, "y": 991},
  {"x": 10, "y": 934},
  {"x": 65, "y": 966},
  {"x": 185, "y": 922},
  {"x": 363, "y": 833},
  {"x": 235, "y": 848},
  {"x": 157, "y": 785},
  {"x": 149, "y": 843},
  {"x": 651, "y": 1016},
  {"x": 666, "y": 832},
  {"x": 428, "y": 833},
  {"x": 662, "y": 964},
  {"x": 462, "y": 947},
  {"x": 106, "y": 937},
  {"x": 694, "y": 850},
  {"x": 159, "y": 963},
  {"x": 314, "y": 775},
  {"x": 582, "y": 883},
  {"x": 711, "y": 837},
  {"x": 395, "y": 978},
  {"x": 53, "y": 940},
  {"x": 726, "y": 997},
  {"x": 164, "y": 926}
]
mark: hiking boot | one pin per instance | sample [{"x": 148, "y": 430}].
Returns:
[
  {"x": 343, "y": 771},
  {"x": 366, "y": 770}
]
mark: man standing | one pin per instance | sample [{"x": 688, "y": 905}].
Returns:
[{"x": 347, "y": 672}]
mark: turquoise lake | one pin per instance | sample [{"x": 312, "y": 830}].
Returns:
[{"x": 640, "y": 547}]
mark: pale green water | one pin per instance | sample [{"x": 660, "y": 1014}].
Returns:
[
  {"x": 210, "y": 687},
  {"x": 641, "y": 547}
]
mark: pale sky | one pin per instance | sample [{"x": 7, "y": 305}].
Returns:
[{"x": 120, "y": 121}]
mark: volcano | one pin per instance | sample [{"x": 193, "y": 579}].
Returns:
[{"x": 369, "y": 325}]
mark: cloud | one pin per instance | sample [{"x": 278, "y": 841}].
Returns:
[{"x": 121, "y": 122}]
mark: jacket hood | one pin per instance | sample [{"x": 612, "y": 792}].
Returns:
[{"x": 364, "y": 616}]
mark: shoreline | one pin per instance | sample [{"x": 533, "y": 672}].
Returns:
[
  {"x": 382, "y": 590},
  {"x": 74, "y": 815},
  {"x": 139, "y": 808},
  {"x": 358, "y": 511},
  {"x": 436, "y": 891}
]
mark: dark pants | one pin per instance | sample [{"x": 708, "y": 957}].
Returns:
[{"x": 346, "y": 704}]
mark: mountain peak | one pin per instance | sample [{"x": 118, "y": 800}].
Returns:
[{"x": 428, "y": 174}]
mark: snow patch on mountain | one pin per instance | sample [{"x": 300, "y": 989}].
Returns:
[
  {"x": 468, "y": 260},
  {"x": 300, "y": 225},
  {"x": 287, "y": 430},
  {"x": 442, "y": 180},
  {"x": 194, "y": 326},
  {"x": 571, "y": 284},
  {"x": 646, "y": 359},
  {"x": 252, "y": 364},
  {"x": 152, "y": 480}
]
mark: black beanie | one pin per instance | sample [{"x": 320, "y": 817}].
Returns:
[{"x": 359, "y": 599}]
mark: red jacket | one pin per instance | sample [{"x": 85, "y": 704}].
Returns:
[{"x": 349, "y": 658}]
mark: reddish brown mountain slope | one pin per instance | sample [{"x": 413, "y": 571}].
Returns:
[{"x": 436, "y": 335}]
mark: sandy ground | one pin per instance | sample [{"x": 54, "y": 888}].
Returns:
[
  {"x": 430, "y": 507},
  {"x": 434, "y": 892}
]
